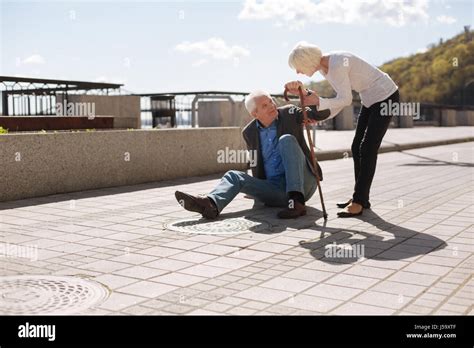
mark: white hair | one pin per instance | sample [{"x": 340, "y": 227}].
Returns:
[
  {"x": 304, "y": 56},
  {"x": 250, "y": 100}
]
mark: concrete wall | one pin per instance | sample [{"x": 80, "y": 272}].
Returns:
[
  {"x": 124, "y": 108},
  {"x": 448, "y": 118},
  {"x": 43, "y": 164},
  {"x": 405, "y": 121},
  {"x": 452, "y": 117},
  {"x": 465, "y": 118},
  {"x": 345, "y": 119},
  {"x": 38, "y": 123},
  {"x": 222, "y": 113}
]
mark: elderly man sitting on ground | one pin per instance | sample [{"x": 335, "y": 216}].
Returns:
[{"x": 283, "y": 175}]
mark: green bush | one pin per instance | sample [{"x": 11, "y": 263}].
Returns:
[{"x": 438, "y": 75}]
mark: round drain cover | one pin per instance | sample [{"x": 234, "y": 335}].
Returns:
[
  {"x": 199, "y": 225},
  {"x": 48, "y": 295}
]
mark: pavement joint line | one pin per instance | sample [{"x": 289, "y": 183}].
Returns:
[
  {"x": 449, "y": 192},
  {"x": 439, "y": 193},
  {"x": 453, "y": 292},
  {"x": 380, "y": 280},
  {"x": 326, "y": 155}
]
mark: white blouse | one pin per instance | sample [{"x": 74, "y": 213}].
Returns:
[{"x": 349, "y": 72}]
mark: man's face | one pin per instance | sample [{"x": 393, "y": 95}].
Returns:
[{"x": 265, "y": 111}]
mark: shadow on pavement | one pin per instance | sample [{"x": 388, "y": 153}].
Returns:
[
  {"x": 427, "y": 161},
  {"x": 336, "y": 245},
  {"x": 342, "y": 245},
  {"x": 63, "y": 197}
]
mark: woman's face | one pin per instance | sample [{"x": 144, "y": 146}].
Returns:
[{"x": 308, "y": 72}]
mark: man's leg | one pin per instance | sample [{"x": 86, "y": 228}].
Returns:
[
  {"x": 299, "y": 177},
  {"x": 300, "y": 182},
  {"x": 235, "y": 181}
]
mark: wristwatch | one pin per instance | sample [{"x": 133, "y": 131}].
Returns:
[{"x": 308, "y": 92}]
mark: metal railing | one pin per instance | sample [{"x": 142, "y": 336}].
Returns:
[
  {"x": 25, "y": 96},
  {"x": 183, "y": 111}
]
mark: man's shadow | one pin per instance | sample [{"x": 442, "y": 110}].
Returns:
[{"x": 263, "y": 220}]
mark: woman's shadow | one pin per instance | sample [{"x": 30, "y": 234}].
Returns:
[
  {"x": 342, "y": 245},
  {"x": 336, "y": 245}
]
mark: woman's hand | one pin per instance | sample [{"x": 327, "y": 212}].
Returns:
[
  {"x": 293, "y": 87},
  {"x": 312, "y": 99}
]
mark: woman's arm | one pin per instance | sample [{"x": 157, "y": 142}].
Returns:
[
  {"x": 340, "y": 82},
  {"x": 342, "y": 86}
]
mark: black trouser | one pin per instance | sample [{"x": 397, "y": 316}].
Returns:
[{"x": 371, "y": 128}]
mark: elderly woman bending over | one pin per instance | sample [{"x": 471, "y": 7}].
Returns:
[{"x": 346, "y": 72}]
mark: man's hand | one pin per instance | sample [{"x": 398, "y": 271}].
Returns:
[{"x": 293, "y": 86}]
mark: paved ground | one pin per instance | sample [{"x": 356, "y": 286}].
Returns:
[
  {"x": 417, "y": 256},
  {"x": 342, "y": 140}
]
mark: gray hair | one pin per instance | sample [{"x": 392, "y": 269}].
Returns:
[
  {"x": 304, "y": 56},
  {"x": 250, "y": 103}
]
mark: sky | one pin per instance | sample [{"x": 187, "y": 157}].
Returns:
[{"x": 163, "y": 46}]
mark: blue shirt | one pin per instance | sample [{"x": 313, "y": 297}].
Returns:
[{"x": 272, "y": 162}]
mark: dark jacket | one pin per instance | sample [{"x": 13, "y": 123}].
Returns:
[{"x": 290, "y": 119}]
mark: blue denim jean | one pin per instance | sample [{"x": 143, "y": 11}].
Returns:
[{"x": 274, "y": 193}]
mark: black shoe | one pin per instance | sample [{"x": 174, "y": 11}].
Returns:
[
  {"x": 199, "y": 204},
  {"x": 292, "y": 213},
  {"x": 346, "y": 213},
  {"x": 345, "y": 204}
]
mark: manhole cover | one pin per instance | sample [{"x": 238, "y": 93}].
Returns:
[
  {"x": 48, "y": 295},
  {"x": 199, "y": 225}
]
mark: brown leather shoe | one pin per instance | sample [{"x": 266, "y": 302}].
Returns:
[
  {"x": 199, "y": 204},
  {"x": 292, "y": 213}
]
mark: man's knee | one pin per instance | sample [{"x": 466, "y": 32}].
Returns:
[
  {"x": 236, "y": 177},
  {"x": 234, "y": 174},
  {"x": 287, "y": 140}
]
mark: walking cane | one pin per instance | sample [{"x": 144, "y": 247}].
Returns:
[{"x": 314, "y": 161}]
